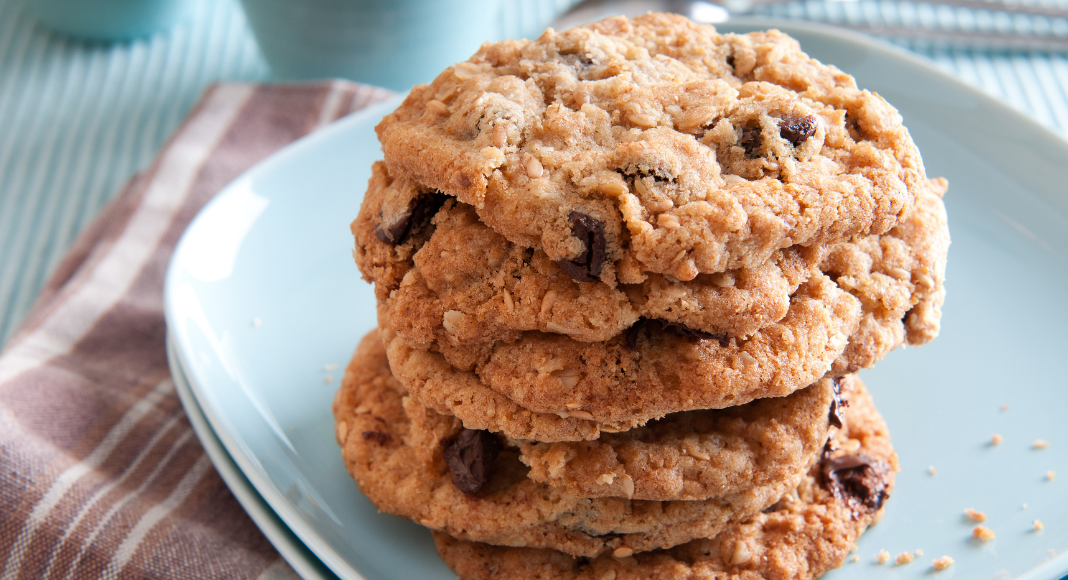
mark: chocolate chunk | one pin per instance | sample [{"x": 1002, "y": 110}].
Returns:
[
  {"x": 415, "y": 217},
  {"x": 751, "y": 142},
  {"x": 586, "y": 267},
  {"x": 470, "y": 455},
  {"x": 835, "y": 416},
  {"x": 797, "y": 129},
  {"x": 856, "y": 480},
  {"x": 671, "y": 328},
  {"x": 377, "y": 436}
]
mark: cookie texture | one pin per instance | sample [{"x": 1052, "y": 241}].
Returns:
[
  {"x": 653, "y": 370},
  {"x": 899, "y": 279},
  {"x": 808, "y": 532},
  {"x": 694, "y": 454},
  {"x": 468, "y": 285},
  {"x": 374, "y": 430},
  {"x": 870, "y": 295},
  {"x": 655, "y": 145}
]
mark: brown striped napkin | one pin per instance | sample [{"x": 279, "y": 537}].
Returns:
[{"x": 101, "y": 475}]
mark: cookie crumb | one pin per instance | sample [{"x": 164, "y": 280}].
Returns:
[
  {"x": 328, "y": 379},
  {"x": 855, "y": 558},
  {"x": 330, "y": 367},
  {"x": 1040, "y": 444},
  {"x": 942, "y": 563},
  {"x": 975, "y": 515},
  {"x": 256, "y": 322},
  {"x": 919, "y": 552},
  {"x": 931, "y": 470},
  {"x": 1004, "y": 408},
  {"x": 622, "y": 552},
  {"x": 1023, "y": 507},
  {"x": 1037, "y": 525},
  {"x": 904, "y": 558},
  {"x": 983, "y": 533},
  {"x": 996, "y": 439},
  {"x": 882, "y": 557},
  {"x": 1050, "y": 475}
]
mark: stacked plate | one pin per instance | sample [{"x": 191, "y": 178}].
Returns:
[{"x": 262, "y": 314}]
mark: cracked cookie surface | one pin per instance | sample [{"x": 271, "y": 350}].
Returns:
[{"x": 628, "y": 147}]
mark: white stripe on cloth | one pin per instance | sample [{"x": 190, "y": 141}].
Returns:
[
  {"x": 114, "y": 509},
  {"x": 112, "y": 277},
  {"x": 331, "y": 104},
  {"x": 128, "y": 548},
  {"x": 72, "y": 474},
  {"x": 87, "y": 507}
]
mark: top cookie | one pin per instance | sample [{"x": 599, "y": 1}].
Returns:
[{"x": 654, "y": 145}]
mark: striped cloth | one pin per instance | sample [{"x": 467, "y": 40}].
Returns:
[{"x": 100, "y": 473}]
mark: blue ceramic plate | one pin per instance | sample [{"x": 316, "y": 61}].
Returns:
[{"x": 262, "y": 299}]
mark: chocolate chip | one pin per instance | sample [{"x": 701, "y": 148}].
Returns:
[
  {"x": 835, "y": 416},
  {"x": 586, "y": 267},
  {"x": 751, "y": 142},
  {"x": 672, "y": 328},
  {"x": 470, "y": 455},
  {"x": 377, "y": 436},
  {"x": 855, "y": 479},
  {"x": 797, "y": 129},
  {"x": 414, "y": 218}
]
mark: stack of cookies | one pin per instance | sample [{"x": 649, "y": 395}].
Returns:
[{"x": 625, "y": 274}]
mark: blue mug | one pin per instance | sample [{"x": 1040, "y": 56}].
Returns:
[
  {"x": 107, "y": 20},
  {"x": 389, "y": 43}
]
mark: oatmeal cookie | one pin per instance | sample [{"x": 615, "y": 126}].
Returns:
[
  {"x": 806, "y": 533},
  {"x": 477, "y": 490},
  {"x": 899, "y": 279},
  {"x": 694, "y": 454},
  {"x": 652, "y": 370},
  {"x": 656, "y": 145},
  {"x": 469, "y": 285}
]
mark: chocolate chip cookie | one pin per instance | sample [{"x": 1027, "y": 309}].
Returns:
[
  {"x": 468, "y": 285},
  {"x": 809, "y": 531},
  {"x": 474, "y": 487},
  {"x": 628, "y": 147},
  {"x": 694, "y": 455}
]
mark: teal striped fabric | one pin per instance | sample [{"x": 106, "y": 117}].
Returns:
[{"x": 77, "y": 120}]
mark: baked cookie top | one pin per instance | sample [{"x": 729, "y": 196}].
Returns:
[
  {"x": 472, "y": 488},
  {"x": 655, "y": 145},
  {"x": 809, "y": 531}
]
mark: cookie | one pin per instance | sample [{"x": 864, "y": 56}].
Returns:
[
  {"x": 654, "y": 369},
  {"x": 808, "y": 532},
  {"x": 695, "y": 454},
  {"x": 896, "y": 278},
  {"x": 468, "y": 285},
  {"x": 375, "y": 433},
  {"x": 655, "y": 145},
  {"x": 899, "y": 279}
]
